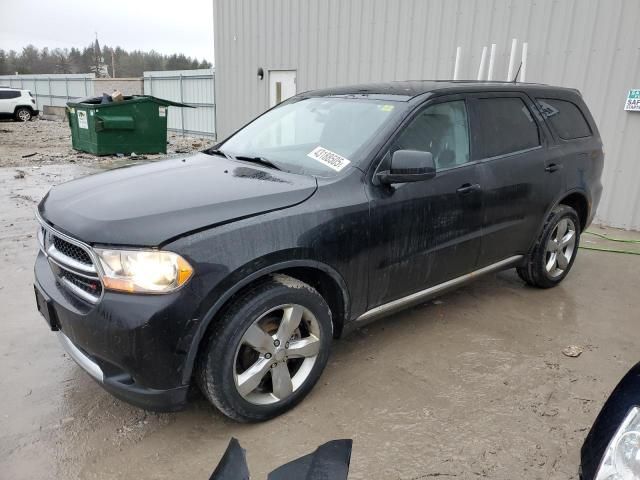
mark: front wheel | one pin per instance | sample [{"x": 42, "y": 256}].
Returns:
[
  {"x": 267, "y": 350},
  {"x": 553, "y": 255}
]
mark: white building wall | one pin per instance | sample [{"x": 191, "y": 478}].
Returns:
[{"x": 592, "y": 45}]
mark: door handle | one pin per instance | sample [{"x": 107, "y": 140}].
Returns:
[
  {"x": 553, "y": 168},
  {"x": 468, "y": 188}
]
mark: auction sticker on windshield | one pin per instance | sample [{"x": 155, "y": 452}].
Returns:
[{"x": 327, "y": 157}]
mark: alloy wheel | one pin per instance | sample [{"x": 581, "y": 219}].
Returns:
[
  {"x": 560, "y": 247},
  {"x": 276, "y": 354},
  {"x": 24, "y": 115}
]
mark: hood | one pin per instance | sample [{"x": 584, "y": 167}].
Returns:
[{"x": 146, "y": 205}]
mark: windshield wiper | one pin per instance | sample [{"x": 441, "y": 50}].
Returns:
[
  {"x": 259, "y": 160},
  {"x": 215, "y": 151}
]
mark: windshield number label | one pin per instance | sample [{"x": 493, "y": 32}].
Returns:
[{"x": 330, "y": 159}]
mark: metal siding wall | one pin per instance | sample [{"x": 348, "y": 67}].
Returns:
[
  {"x": 194, "y": 87},
  {"x": 54, "y": 89},
  {"x": 592, "y": 45}
]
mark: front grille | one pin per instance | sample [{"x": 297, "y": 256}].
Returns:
[
  {"x": 91, "y": 286},
  {"x": 71, "y": 250},
  {"x": 72, "y": 263}
]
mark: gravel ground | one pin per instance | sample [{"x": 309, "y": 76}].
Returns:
[
  {"x": 43, "y": 142},
  {"x": 480, "y": 383}
]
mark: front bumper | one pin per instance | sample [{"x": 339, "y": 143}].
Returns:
[
  {"x": 147, "y": 398},
  {"x": 130, "y": 344}
]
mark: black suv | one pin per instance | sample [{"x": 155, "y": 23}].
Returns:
[{"x": 238, "y": 265}]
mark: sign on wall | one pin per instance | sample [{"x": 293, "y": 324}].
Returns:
[{"x": 633, "y": 101}]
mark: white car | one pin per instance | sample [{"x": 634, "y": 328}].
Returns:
[{"x": 17, "y": 104}]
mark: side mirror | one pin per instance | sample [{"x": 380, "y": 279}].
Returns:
[{"x": 409, "y": 166}]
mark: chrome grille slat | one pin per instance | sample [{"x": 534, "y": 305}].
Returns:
[
  {"x": 69, "y": 261},
  {"x": 79, "y": 291},
  {"x": 73, "y": 262}
]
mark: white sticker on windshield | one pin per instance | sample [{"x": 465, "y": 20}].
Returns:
[{"x": 330, "y": 159}]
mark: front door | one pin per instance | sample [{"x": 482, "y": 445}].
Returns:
[
  {"x": 282, "y": 85},
  {"x": 427, "y": 232}
]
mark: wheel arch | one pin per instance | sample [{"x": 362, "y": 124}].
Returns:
[
  {"x": 321, "y": 276},
  {"x": 577, "y": 199},
  {"x": 18, "y": 107},
  {"x": 579, "y": 202}
]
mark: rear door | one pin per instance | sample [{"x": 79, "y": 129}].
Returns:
[{"x": 510, "y": 144}]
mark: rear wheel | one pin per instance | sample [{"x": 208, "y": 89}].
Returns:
[
  {"x": 553, "y": 255},
  {"x": 267, "y": 350},
  {"x": 23, "y": 114}
]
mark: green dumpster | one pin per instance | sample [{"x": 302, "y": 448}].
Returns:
[{"x": 137, "y": 124}]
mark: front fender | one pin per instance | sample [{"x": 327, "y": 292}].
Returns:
[{"x": 235, "y": 282}]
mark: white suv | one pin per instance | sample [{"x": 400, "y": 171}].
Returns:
[{"x": 17, "y": 104}]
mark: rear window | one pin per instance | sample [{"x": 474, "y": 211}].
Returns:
[
  {"x": 505, "y": 125},
  {"x": 565, "y": 118}
]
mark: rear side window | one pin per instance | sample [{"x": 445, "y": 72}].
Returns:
[
  {"x": 565, "y": 118},
  {"x": 505, "y": 125},
  {"x": 6, "y": 94}
]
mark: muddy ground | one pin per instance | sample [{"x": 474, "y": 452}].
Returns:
[
  {"x": 471, "y": 385},
  {"x": 44, "y": 142}
]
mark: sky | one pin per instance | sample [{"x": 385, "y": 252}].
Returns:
[{"x": 166, "y": 26}]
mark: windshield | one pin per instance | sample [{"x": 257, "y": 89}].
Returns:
[{"x": 319, "y": 136}]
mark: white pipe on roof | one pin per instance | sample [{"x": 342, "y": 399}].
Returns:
[
  {"x": 492, "y": 57},
  {"x": 483, "y": 61},
  {"x": 523, "y": 71},
  {"x": 456, "y": 67},
  {"x": 512, "y": 59}
]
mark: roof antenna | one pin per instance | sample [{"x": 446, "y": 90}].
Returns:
[{"x": 515, "y": 79}]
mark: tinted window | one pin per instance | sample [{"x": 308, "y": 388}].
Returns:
[
  {"x": 565, "y": 117},
  {"x": 440, "y": 129},
  {"x": 5, "y": 94},
  {"x": 505, "y": 125}
]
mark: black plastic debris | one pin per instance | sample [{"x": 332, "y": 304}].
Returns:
[
  {"x": 233, "y": 465},
  {"x": 330, "y": 461}
]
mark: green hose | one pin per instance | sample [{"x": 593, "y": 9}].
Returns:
[
  {"x": 611, "y": 250},
  {"x": 611, "y": 239}
]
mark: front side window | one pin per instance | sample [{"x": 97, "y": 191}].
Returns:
[
  {"x": 565, "y": 117},
  {"x": 441, "y": 129},
  {"x": 504, "y": 125},
  {"x": 317, "y": 136}
]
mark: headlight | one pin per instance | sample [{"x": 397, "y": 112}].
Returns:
[
  {"x": 621, "y": 460},
  {"x": 143, "y": 271}
]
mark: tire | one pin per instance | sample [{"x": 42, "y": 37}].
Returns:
[
  {"x": 265, "y": 315},
  {"x": 23, "y": 114},
  {"x": 550, "y": 259}
]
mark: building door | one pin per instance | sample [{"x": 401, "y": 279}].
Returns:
[{"x": 282, "y": 85}]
